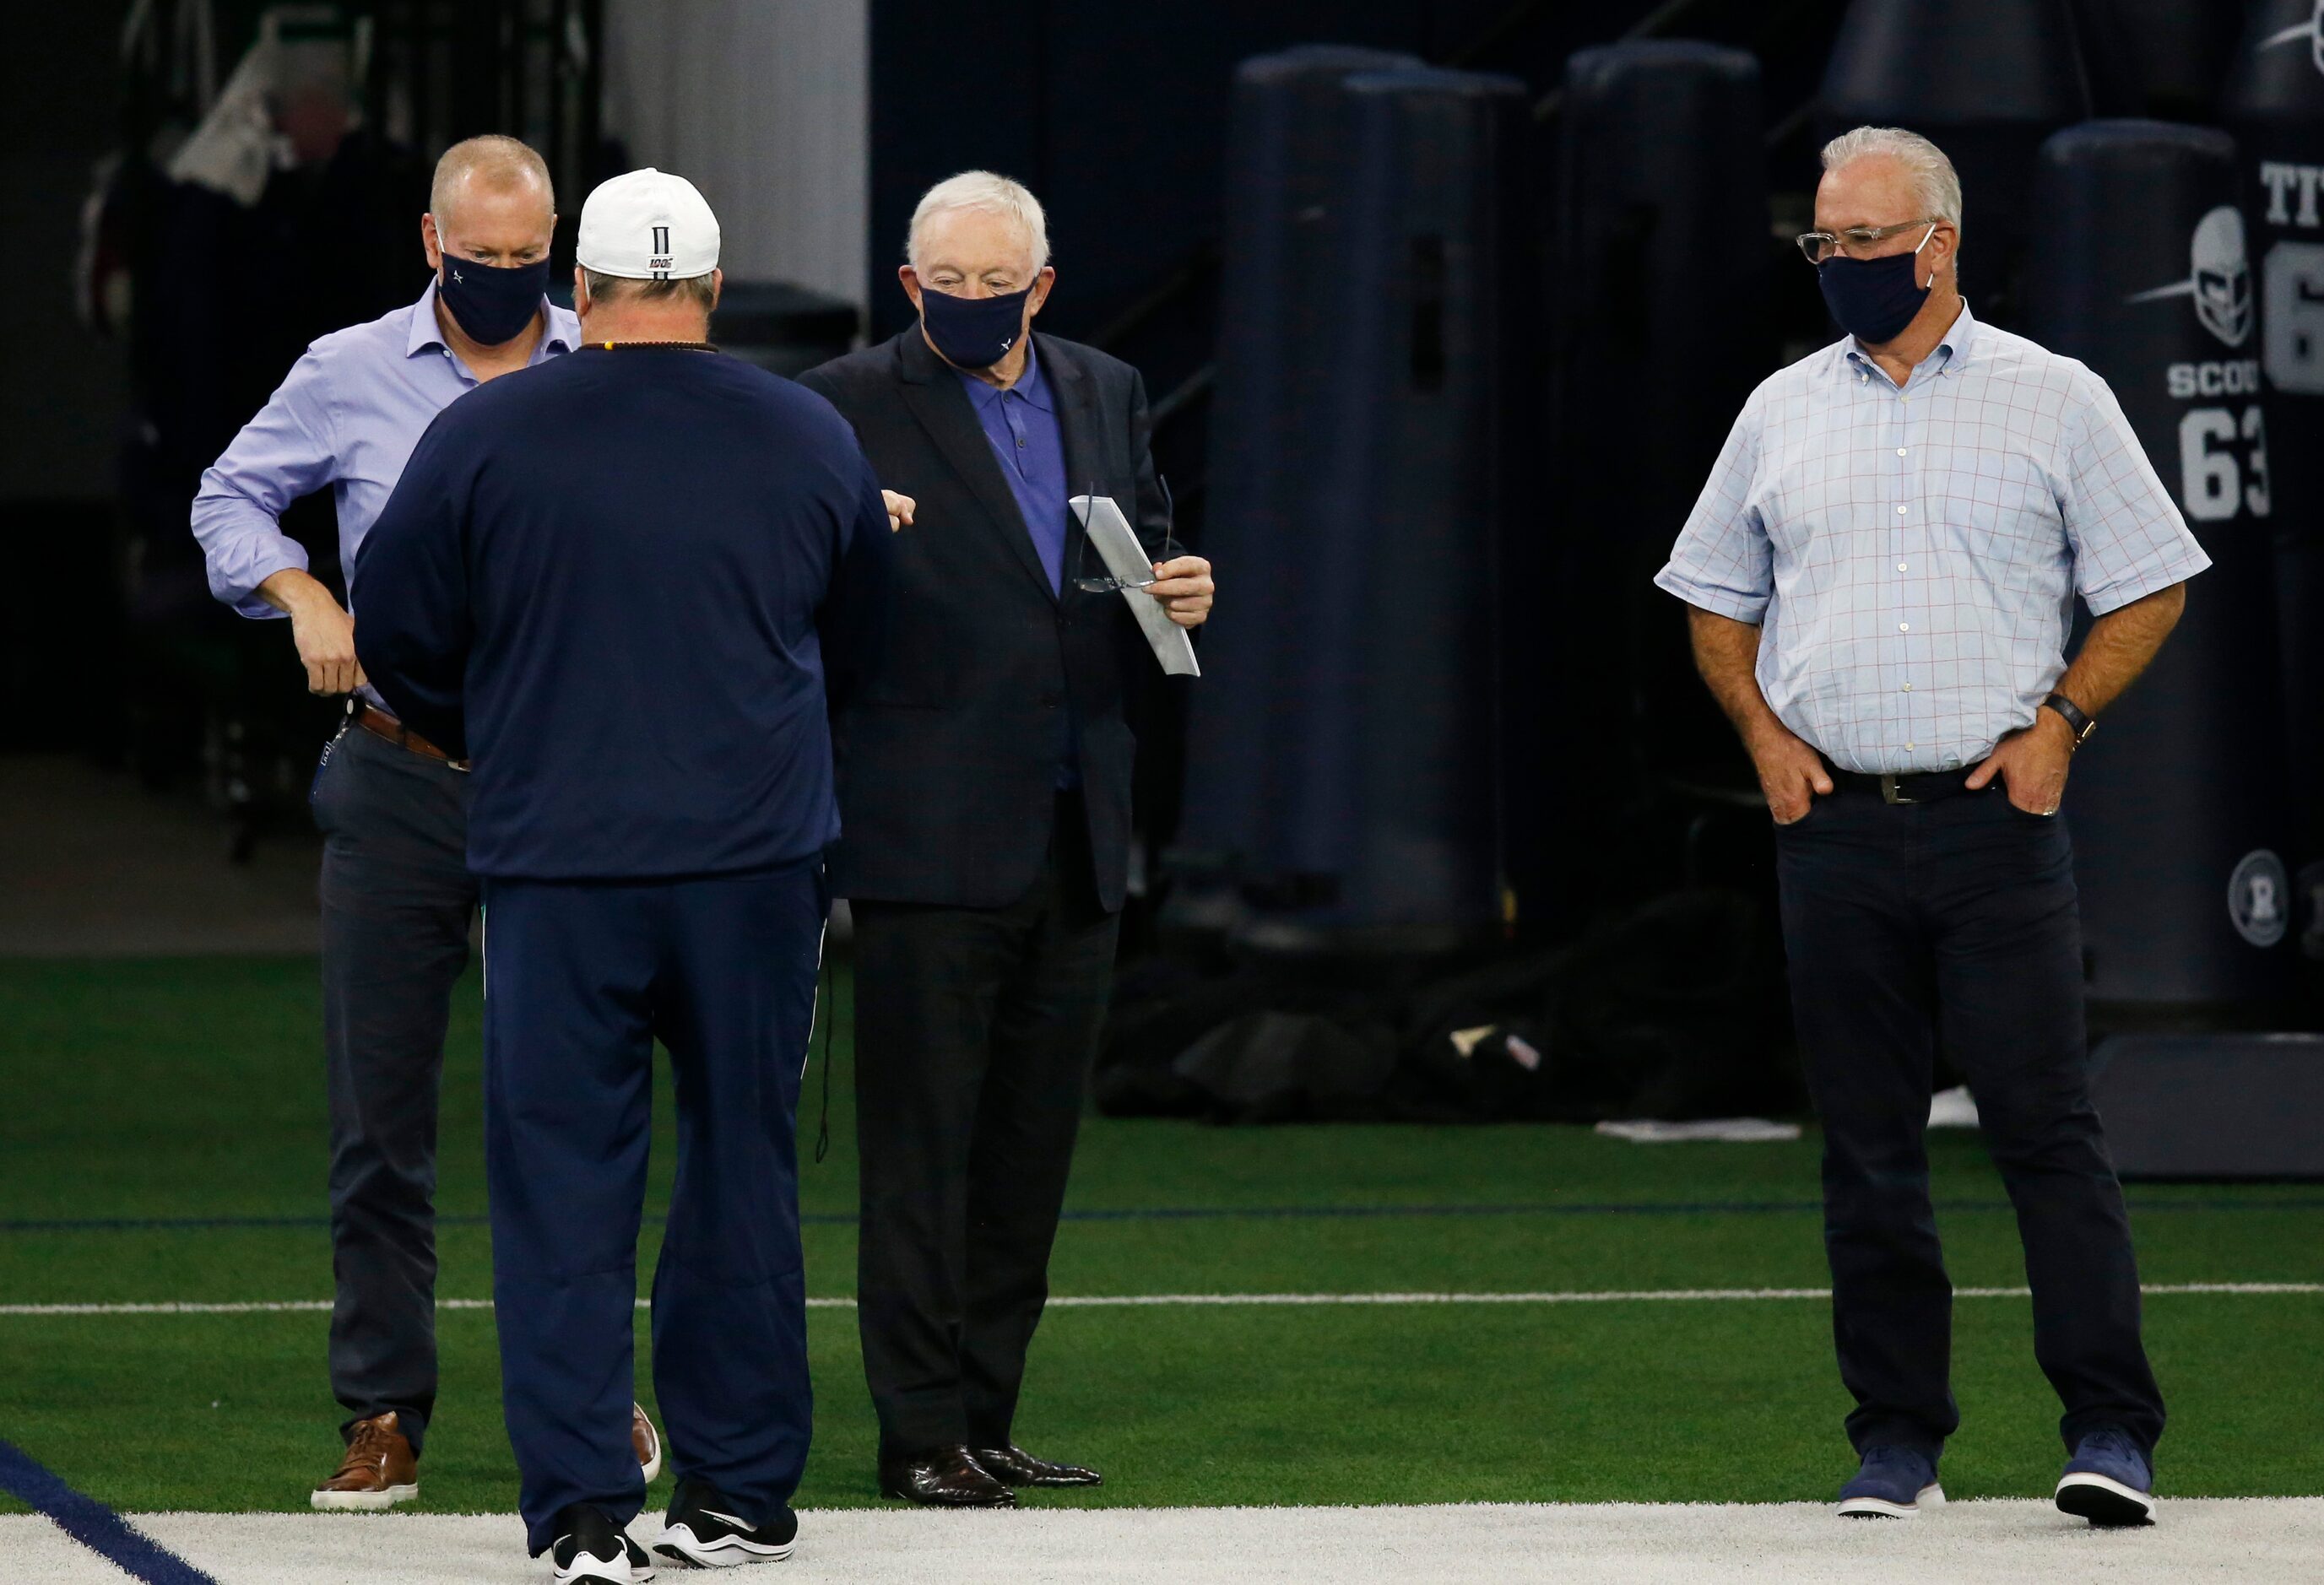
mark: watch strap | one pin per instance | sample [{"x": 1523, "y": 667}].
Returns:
[{"x": 2080, "y": 723}]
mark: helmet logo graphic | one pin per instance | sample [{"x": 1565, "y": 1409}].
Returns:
[
  {"x": 2313, "y": 31},
  {"x": 2223, "y": 288},
  {"x": 2218, "y": 275},
  {"x": 2259, "y": 895}
]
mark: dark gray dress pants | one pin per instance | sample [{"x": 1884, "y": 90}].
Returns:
[
  {"x": 974, "y": 1029},
  {"x": 397, "y": 899}
]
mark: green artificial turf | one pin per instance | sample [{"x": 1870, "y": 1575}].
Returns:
[{"x": 192, "y": 1090}]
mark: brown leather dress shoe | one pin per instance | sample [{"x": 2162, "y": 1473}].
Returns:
[
  {"x": 944, "y": 1478},
  {"x": 645, "y": 1441},
  {"x": 1013, "y": 1466},
  {"x": 379, "y": 1472}
]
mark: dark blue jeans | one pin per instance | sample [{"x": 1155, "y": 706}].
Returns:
[
  {"x": 1955, "y": 920},
  {"x": 580, "y": 980}
]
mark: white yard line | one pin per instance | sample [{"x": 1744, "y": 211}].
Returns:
[
  {"x": 2248, "y": 1541},
  {"x": 1145, "y": 1301}
]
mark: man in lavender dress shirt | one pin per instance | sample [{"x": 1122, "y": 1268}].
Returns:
[{"x": 397, "y": 898}]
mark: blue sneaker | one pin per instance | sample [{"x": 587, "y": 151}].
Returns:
[
  {"x": 2108, "y": 1480},
  {"x": 1895, "y": 1483}
]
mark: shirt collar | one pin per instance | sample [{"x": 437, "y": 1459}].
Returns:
[
  {"x": 1950, "y": 356},
  {"x": 424, "y": 332},
  {"x": 1032, "y": 384},
  {"x": 562, "y": 333}
]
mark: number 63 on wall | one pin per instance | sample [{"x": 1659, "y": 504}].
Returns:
[{"x": 2218, "y": 478}]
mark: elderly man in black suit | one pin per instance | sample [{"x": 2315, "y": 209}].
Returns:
[{"x": 984, "y": 770}]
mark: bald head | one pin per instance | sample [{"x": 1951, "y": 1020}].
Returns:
[
  {"x": 491, "y": 205},
  {"x": 494, "y": 166}
]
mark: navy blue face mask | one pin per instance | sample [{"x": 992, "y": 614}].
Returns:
[
  {"x": 1873, "y": 299},
  {"x": 493, "y": 305},
  {"x": 973, "y": 332}
]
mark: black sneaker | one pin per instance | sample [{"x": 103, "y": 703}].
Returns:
[
  {"x": 703, "y": 1530},
  {"x": 590, "y": 1549}
]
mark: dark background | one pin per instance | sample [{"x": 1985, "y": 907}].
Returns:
[{"x": 1626, "y": 787}]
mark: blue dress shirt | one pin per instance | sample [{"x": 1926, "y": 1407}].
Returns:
[
  {"x": 347, "y": 416},
  {"x": 1912, "y": 554},
  {"x": 1022, "y": 422}
]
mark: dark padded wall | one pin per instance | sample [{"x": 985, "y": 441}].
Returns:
[
  {"x": 2274, "y": 101},
  {"x": 1988, "y": 81},
  {"x": 1661, "y": 226},
  {"x": 1291, "y": 117},
  {"x": 2160, "y": 58},
  {"x": 1115, "y": 114},
  {"x": 2178, "y": 804},
  {"x": 1356, "y": 788}
]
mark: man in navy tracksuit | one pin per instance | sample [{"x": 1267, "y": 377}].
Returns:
[{"x": 617, "y": 582}]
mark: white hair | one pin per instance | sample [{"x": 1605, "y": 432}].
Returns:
[
  {"x": 1935, "y": 187},
  {"x": 994, "y": 195}
]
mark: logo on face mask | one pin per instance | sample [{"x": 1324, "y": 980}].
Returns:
[
  {"x": 2312, "y": 29},
  {"x": 2219, "y": 276},
  {"x": 2259, "y": 899}
]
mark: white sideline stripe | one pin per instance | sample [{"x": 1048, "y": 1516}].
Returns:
[
  {"x": 1147, "y": 1301},
  {"x": 2249, "y": 1541}
]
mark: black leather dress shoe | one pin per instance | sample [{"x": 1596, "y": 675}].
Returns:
[
  {"x": 944, "y": 1478},
  {"x": 1016, "y": 1467}
]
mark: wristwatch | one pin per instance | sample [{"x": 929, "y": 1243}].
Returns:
[{"x": 2081, "y": 724}]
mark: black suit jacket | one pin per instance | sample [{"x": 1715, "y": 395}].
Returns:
[{"x": 947, "y": 749}]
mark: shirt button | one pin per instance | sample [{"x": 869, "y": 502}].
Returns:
[
  {"x": 1900, "y": 451},
  {"x": 1908, "y": 745},
  {"x": 1900, "y": 511},
  {"x": 1903, "y": 627},
  {"x": 1901, "y": 567},
  {"x": 1908, "y": 687}
]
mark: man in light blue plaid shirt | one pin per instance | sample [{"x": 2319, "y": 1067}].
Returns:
[{"x": 1881, "y": 572}]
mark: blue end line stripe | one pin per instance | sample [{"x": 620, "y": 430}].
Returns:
[
  {"x": 92, "y": 1524},
  {"x": 119, "y": 1224}
]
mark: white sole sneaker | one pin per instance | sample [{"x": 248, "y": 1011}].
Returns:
[
  {"x": 2103, "y": 1501},
  {"x": 1930, "y": 1496},
  {"x": 362, "y": 1502},
  {"x": 677, "y": 1542}
]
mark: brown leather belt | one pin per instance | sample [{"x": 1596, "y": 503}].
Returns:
[{"x": 381, "y": 725}]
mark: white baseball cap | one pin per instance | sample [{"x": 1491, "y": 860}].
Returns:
[{"x": 647, "y": 226}]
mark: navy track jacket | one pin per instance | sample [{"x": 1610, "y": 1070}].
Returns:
[{"x": 623, "y": 582}]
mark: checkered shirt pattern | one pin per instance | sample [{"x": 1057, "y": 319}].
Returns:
[{"x": 1912, "y": 555}]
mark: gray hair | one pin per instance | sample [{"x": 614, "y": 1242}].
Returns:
[
  {"x": 496, "y": 162},
  {"x": 994, "y": 195},
  {"x": 1936, "y": 186}
]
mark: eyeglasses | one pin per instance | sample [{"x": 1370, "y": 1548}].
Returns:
[
  {"x": 1098, "y": 582},
  {"x": 1817, "y": 247}
]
